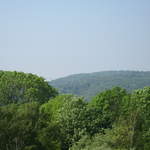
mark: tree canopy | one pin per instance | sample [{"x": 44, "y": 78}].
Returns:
[
  {"x": 19, "y": 87},
  {"x": 33, "y": 116}
]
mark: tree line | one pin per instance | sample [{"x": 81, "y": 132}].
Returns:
[
  {"x": 34, "y": 116},
  {"x": 89, "y": 84}
]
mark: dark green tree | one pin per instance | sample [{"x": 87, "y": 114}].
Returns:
[{"x": 18, "y": 126}]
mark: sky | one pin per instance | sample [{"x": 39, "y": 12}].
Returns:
[{"x": 56, "y": 38}]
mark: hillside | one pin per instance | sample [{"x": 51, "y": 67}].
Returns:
[{"x": 90, "y": 84}]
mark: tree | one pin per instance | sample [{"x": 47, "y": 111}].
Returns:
[
  {"x": 25, "y": 127},
  {"x": 18, "y": 126},
  {"x": 104, "y": 109},
  {"x": 19, "y": 87},
  {"x": 49, "y": 133},
  {"x": 139, "y": 112},
  {"x": 68, "y": 114}
]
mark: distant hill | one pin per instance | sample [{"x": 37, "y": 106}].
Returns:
[{"x": 89, "y": 84}]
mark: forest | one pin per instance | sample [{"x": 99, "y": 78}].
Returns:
[
  {"x": 35, "y": 116},
  {"x": 90, "y": 84}
]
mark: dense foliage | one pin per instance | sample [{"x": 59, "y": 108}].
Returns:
[
  {"x": 18, "y": 87},
  {"x": 88, "y": 85},
  {"x": 112, "y": 120}
]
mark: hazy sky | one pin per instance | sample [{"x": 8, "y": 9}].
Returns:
[{"x": 55, "y": 38}]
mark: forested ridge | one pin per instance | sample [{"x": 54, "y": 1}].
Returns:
[
  {"x": 89, "y": 84},
  {"x": 35, "y": 116}
]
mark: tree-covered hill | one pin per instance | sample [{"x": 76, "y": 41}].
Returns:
[{"x": 90, "y": 84}]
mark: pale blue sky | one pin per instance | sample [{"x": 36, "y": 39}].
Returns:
[{"x": 55, "y": 38}]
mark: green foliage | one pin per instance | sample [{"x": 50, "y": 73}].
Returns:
[
  {"x": 97, "y": 142},
  {"x": 54, "y": 105},
  {"x": 105, "y": 108},
  {"x": 18, "y": 125},
  {"x": 112, "y": 120},
  {"x": 71, "y": 120},
  {"x": 22, "y": 127},
  {"x": 18, "y": 87},
  {"x": 68, "y": 114},
  {"x": 88, "y": 85},
  {"x": 139, "y": 112},
  {"x": 131, "y": 129},
  {"x": 49, "y": 134}
]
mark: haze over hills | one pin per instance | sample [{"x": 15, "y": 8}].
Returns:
[{"x": 89, "y": 84}]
